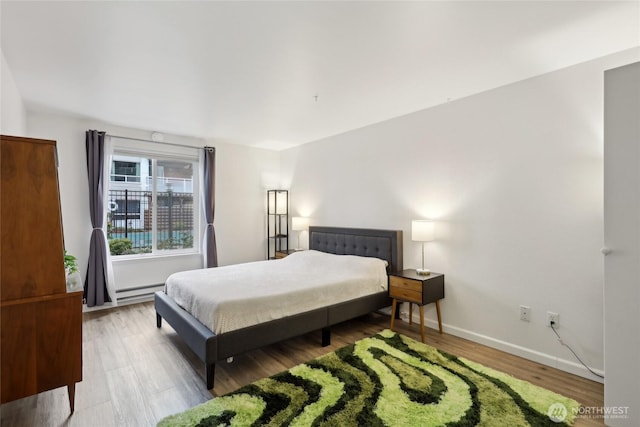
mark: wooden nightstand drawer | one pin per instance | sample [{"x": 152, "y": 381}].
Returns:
[
  {"x": 406, "y": 294},
  {"x": 408, "y": 284}
]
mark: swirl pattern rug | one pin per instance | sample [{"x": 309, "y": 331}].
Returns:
[{"x": 385, "y": 380}]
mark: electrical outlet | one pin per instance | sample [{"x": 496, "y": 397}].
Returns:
[
  {"x": 525, "y": 313},
  {"x": 553, "y": 317}
]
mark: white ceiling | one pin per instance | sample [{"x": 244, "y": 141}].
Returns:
[{"x": 250, "y": 72}]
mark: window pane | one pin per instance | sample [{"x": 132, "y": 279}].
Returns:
[
  {"x": 129, "y": 214},
  {"x": 175, "y": 204}
]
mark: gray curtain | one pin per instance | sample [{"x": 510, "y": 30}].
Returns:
[
  {"x": 209, "y": 205},
  {"x": 95, "y": 285}
]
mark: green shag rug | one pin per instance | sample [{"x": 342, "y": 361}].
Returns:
[{"x": 386, "y": 380}]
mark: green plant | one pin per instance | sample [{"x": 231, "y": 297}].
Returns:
[
  {"x": 142, "y": 250},
  {"x": 169, "y": 243},
  {"x": 122, "y": 246},
  {"x": 70, "y": 263},
  {"x": 187, "y": 241}
]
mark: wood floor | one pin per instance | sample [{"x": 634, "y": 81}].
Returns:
[{"x": 136, "y": 374}]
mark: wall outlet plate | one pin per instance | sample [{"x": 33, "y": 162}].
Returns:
[
  {"x": 525, "y": 313},
  {"x": 555, "y": 317}
]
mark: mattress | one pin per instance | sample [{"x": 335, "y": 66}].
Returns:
[{"x": 237, "y": 296}]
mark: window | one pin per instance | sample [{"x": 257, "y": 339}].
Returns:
[
  {"x": 152, "y": 203},
  {"x": 124, "y": 171}
]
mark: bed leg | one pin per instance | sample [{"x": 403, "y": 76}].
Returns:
[
  {"x": 326, "y": 336},
  {"x": 158, "y": 320},
  {"x": 210, "y": 371}
]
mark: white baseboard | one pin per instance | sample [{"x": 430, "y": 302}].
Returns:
[{"x": 527, "y": 353}]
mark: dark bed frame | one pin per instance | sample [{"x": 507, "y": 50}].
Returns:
[{"x": 211, "y": 348}]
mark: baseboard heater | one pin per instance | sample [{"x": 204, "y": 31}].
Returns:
[{"x": 138, "y": 293}]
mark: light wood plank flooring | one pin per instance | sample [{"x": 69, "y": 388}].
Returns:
[{"x": 136, "y": 374}]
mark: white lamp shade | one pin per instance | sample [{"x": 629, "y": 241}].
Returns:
[
  {"x": 299, "y": 223},
  {"x": 422, "y": 230}
]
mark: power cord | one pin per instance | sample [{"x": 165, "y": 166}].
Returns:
[{"x": 574, "y": 353}]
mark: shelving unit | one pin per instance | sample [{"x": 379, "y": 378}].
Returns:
[{"x": 277, "y": 222}]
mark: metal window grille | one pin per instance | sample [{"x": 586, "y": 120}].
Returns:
[{"x": 130, "y": 221}]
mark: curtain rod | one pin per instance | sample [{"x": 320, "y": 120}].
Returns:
[{"x": 158, "y": 142}]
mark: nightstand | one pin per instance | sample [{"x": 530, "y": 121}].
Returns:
[
  {"x": 282, "y": 254},
  {"x": 408, "y": 286}
]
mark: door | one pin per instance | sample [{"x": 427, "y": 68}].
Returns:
[{"x": 622, "y": 238}]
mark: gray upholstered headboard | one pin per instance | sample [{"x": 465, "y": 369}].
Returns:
[{"x": 383, "y": 244}]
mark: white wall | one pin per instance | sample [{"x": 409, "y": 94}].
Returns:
[
  {"x": 243, "y": 176},
  {"x": 13, "y": 113},
  {"x": 514, "y": 175},
  {"x": 622, "y": 236},
  {"x": 240, "y": 198}
]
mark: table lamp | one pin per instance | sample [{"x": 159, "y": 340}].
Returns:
[
  {"x": 422, "y": 230},
  {"x": 299, "y": 224}
]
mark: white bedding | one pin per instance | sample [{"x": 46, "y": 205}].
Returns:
[{"x": 236, "y": 296}]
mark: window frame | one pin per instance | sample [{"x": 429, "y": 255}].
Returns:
[{"x": 147, "y": 150}]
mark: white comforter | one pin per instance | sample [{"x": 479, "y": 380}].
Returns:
[{"x": 236, "y": 296}]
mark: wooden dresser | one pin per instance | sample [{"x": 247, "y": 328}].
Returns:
[{"x": 41, "y": 324}]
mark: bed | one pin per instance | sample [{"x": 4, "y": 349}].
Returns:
[{"x": 212, "y": 347}]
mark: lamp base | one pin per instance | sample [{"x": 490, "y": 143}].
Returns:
[{"x": 423, "y": 271}]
